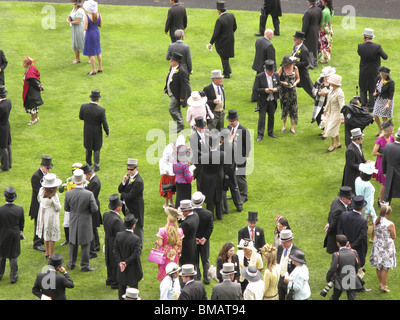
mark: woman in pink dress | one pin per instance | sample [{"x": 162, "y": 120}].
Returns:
[
  {"x": 170, "y": 240},
  {"x": 385, "y": 137}
]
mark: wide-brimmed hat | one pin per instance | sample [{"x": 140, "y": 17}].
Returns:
[
  {"x": 288, "y": 59},
  {"x": 198, "y": 198},
  {"x": 130, "y": 220},
  {"x": 247, "y": 244},
  {"x": 177, "y": 57},
  {"x": 335, "y": 79},
  {"x": 10, "y": 193},
  {"x": 384, "y": 70},
  {"x": 86, "y": 168},
  {"x": 228, "y": 268},
  {"x": 251, "y": 274},
  {"x": 199, "y": 122},
  {"x": 78, "y": 176},
  {"x": 95, "y": 95},
  {"x": 298, "y": 256},
  {"x": 50, "y": 180},
  {"x": 196, "y": 99},
  {"x": 173, "y": 212},
  {"x": 232, "y": 115},
  {"x": 90, "y": 6},
  {"x": 345, "y": 192},
  {"x": 221, "y": 5},
  {"x": 56, "y": 260},
  {"x": 132, "y": 162},
  {"x": 252, "y": 216},
  {"x": 269, "y": 65},
  {"x": 182, "y": 153},
  {"x": 368, "y": 33},
  {"x": 327, "y": 71},
  {"x": 356, "y": 134},
  {"x": 368, "y": 168},
  {"x": 359, "y": 202},
  {"x": 172, "y": 268},
  {"x": 286, "y": 235},
  {"x": 131, "y": 293},
  {"x": 387, "y": 124},
  {"x": 3, "y": 91},
  {"x": 114, "y": 201},
  {"x": 185, "y": 205},
  {"x": 188, "y": 270},
  {"x": 216, "y": 74},
  {"x": 300, "y": 35},
  {"x": 46, "y": 162},
  {"x": 397, "y": 134}
]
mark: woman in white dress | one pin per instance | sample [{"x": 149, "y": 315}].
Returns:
[
  {"x": 333, "y": 106},
  {"x": 48, "y": 221}
]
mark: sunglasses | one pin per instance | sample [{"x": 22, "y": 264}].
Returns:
[{"x": 130, "y": 169}]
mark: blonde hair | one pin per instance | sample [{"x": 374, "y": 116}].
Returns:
[
  {"x": 384, "y": 211},
  {"x": 172, "y": 231},
  {"x": 269, "y": 253}
]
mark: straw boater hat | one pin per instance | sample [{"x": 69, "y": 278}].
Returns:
[
  {"x": 246, "y": 244},
  {"x": 356, "y": 134},
  {"x": 78, "y": 176},
  {"x": 335, "y": 79},
  {"x": 50, "y": 180},
  {"x": 10, "y": 193},
  {"x": 131, "y": 293},
  {"x": 90, "y": 6},
  {"x": 196, "y": 99},
  {"x": 188, "y": 270},
  {"x": 216, "y": 74},
  {"x": 172, "y": 268},
  {"x": 251, "y": 274},
  {"x": 368, "y": 33}
]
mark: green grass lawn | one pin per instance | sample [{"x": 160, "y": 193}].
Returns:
[{"x": 292, "y": 175}]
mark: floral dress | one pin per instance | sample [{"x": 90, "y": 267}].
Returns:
[
  {"x": 288, "y": 97},
  {"x": 172, "y": 253},
  {"x": 326, "y": 35},
  {"x": 383, "y": 253}
]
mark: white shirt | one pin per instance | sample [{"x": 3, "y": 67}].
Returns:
[{"x": 299, "y": 283}]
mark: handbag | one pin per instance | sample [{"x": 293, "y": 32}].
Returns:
[
  {"x": 156, "y": 255},
  {"x": 290, "y": 295},
  {"x": 166, "y": 187}
]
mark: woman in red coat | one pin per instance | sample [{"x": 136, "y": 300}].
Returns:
[{"x": 32, "y": 88}]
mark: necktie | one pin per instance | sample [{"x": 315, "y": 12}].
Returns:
[
  {"x": 219, "y": 91},
  {"x": 285, "y": 253},
  {"x": 252, "y": 234}
]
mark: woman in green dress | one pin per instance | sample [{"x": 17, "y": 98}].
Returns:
[
  {"x": 75, "y": 20},
  {"x": 326, "y": 31}
]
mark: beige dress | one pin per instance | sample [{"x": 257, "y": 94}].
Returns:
[
  {"x": 48, "y": 221},
  {"x": 333, "y": 106},
  {"x": 271, "y": 279}
]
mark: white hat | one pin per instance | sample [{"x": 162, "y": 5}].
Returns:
[
  {"x": 368, "y": 168},
  {"x": 369, "y": 33},
  {"x": 196, "y": 99},
  {"x": 286, "y": 235},
  {"x": 188, "y": 270},
  {"x": 397, "y": 134},
  {"x": 216, "y": 74},
  {"x": 78, "y": 176},
  {"x": 171, "y": 268},
  {"x": 247, "y": 244},
  {"x": 90, "y": 6},
  {"x": 327, "y": 71},
  {"x": 198, "y": 198},
  {"x": 50, "y": 180},
  {"x": 131, "y": 293},
  {"x": 335, "y": 79},
  {"x": 185, "y": 205},
  {"x": 356, "y": 134}
]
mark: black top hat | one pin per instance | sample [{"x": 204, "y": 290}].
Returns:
[
  {"x": 86, "y": 168},
  {"x": 269, "y": 64},
  {"x": 114, "y": 201},
  {"x": 359, "y": 202},
  {"x": 3, "y": 91},
  {"x": 177, "y": 57},
  {"x": 232, "y": 115},
  {"x": 46, "y": 162},
  {"x": 130, "y": 221},
  {"x": 382, "y": 69},
  {"x": 95, "y": 95},
  {"x": 221, "y": 5},
  {"x": 199, "y": 122},
  {"x": 10, "y": 193},
  {"x": 300, "y": 35},
  {"x": 252, "y": 216},
  {"x": 345, "y": 192},
  {"x": 56, "y": 260}
]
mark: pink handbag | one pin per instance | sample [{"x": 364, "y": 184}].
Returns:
[{"x": 156, "y": 255}]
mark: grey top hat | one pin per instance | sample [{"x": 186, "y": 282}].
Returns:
[
  {"x": 345, "y": 192},
  {"x": 228, "y": 268},
  {"x": 397, "y": 134},
  {"x": 198, "y": 198},
  {"x": 46, "y": 162},
  {"x": 78, "y": 176},
  {"x": 188, "y": 270},
  {"x": 3, "y": 91},
  {"x": 130, "y": 220},
  {"x": 356, "y": 134},
  {"x": 95, "y": 95},
  {"x": 114, "y": 201},
  {"x": 10, "y": 193},
  {"x": 298, "y": 256},
  {"x": 251, "y": 274},
  {"x": 216, "y": 74},
  {"x": 359, "y": 202},
  {"x": 185, "y": 205},
  {"x": 368, "y": 33},
  {"x": 132, "y": 163},
  {"x": 50, "y": 180},
  {"x": 56, "y": 260},
  {"x": 286, "y": 235},
  {"x": 252, "y": 217}
]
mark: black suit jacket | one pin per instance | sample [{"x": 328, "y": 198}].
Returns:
[
  {"x": 112, "y": 225},
  {"x": 179, "y": 86},
  {"x": 189, "y": 227},
  {"x": 212, "y": 176},
  {"x": 223, "y": 35},
  {"x": 61, "y": 283},
  {"x": 337, "y": 207},
  {"x": 211, "y": 96},
  {"x": 5, "y": 133},
  {"x": 94, "y": 118},
  {"x": 127, "y": 247},
  {"x": 391, "y": 167},
  {"x": 3, "y": 65},
  {"x": 193, "y": 290},
  {"x": 94, "y": 185},
  {"x": 259, "y": 238},
  {"x": 241, "y": 145},
  {"x": 351, "y": 170},
  {"x": 206, "y": 223},
  {"x": 261, "y": 83},
  {"x": 132, "y": 194},
  {"x": 302, "y": 56},
  {"x": 36, "y": 185},
  {"x": 176, "y": 19},
  {"x": 311, "y": 22},
  {"x": 12, "y": 222},
  {"x": 264, "y": 51},
  {"x": 370, "y": 60}
]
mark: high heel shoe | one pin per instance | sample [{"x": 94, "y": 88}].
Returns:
[{"x": 385, "y": 289}]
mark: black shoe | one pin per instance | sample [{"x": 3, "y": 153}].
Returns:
[
  {"x": 70, "y": 267},
  {"x": 3, "y": 170},
  {"x": 96, "y": 167},
  {"x": 258, "y": 34},
  {"x": 89, "y": 269},
  {"x": 259, "y": 138},
  {"x": 256, "y": 109},
  {"x": 272, "y": 135},
  {"x": 244, "y": 200},
  {"x": 207, "y": 281},
  {"x": 64, "y": 243},
  {"x": 39, "y": 248},
  {"x": 312, "y": 120},
  {"x": 93, "y": 255},
  {"x": 239, "y": 208},
  {"x": 227, "y": 76}
]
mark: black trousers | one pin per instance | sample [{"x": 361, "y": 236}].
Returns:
[
  {"x": 5, "y": 158},
  {"x": 96, "y": 156},
  {"x": 367, "y": 98},
  {"x": 226, "y": 67},
  {"x": 263, "y": 22},
  {"x": 351, "y": 294},
  {"x": 269, "y": 108}
]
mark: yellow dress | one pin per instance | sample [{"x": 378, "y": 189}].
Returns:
[{"x": 271, "y": 279}]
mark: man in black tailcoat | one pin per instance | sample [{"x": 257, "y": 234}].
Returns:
[
  {"x": 311, "y": 22},
  {"x": 189, "y": 226},
  {"x": 391, "y": 168},
  {"x": 3, "y": 65},
  {"x": 176, "y": 19},
  {"x": 272, "y": 8},
  {"x": 94, "y": 118},
  {"x": 5, "y": 133}
]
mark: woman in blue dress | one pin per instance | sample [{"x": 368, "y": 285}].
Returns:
[{"x": 92, "y": 47}]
